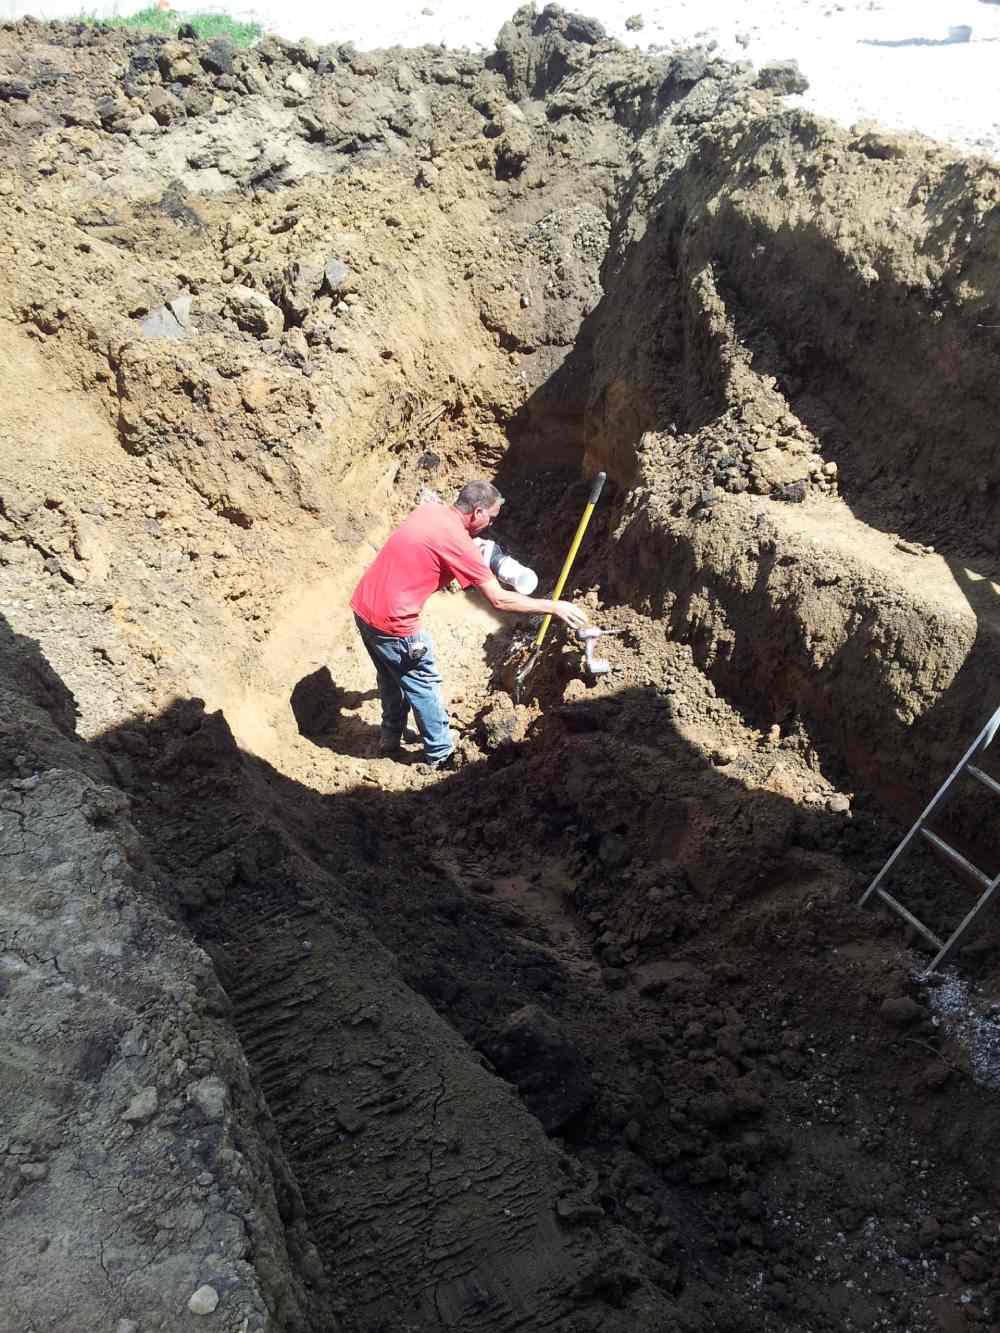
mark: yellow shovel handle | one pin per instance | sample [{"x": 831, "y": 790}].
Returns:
[{"x": 595, "y": 492}]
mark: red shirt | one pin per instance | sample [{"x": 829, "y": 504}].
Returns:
[{"x": 423, "y": 555}]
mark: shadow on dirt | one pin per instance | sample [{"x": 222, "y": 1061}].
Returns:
[
  {"x": 322, "y": 712},
  {"x": 663, "y": 957}
]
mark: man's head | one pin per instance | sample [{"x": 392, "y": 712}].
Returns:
[{"x": 479, "y": 502}]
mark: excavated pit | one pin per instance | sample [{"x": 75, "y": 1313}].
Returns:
[{"x": 591, "y": 1034}]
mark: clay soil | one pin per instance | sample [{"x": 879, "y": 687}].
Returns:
[{"x": 590, "y": 1034}]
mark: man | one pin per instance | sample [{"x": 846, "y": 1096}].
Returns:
[{"x": 429, "y": 549}]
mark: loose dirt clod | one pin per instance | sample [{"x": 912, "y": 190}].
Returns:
[{"x": 588, "y": 1034}]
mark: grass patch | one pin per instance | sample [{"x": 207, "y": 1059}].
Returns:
[{"x": 169, "y": 20}]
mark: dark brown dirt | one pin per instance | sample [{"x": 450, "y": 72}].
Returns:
[{"x": 591, "y": 1034}]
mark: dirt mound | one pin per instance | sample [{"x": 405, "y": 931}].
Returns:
[{"x": 589, "y": 1035}]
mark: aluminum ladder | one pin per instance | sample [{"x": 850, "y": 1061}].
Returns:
[{"x": 988, "y": 886}]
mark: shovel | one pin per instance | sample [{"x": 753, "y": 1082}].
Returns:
[{"x": 531, "y": 661}]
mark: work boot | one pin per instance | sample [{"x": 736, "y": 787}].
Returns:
[
  {"x": 391, "y": 745},
  {"x": 449, "y": 764}
]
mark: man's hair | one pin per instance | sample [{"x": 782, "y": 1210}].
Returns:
[{"x": 477, "y": 495}]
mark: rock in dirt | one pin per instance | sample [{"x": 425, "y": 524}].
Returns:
[
  {"x": 82, "y": 111},
  {"x": 573, "y": 26},
  {"x": 336, "y": 274},
  {"x": 170, "y": 320},
  {"x": 794, "y": 492},
  {"x": 209, "y": 1095},
  {"x": 688, "y": 68},
  {"x": 881, "y": 146},
  {"x": 253, "y": 312},
  {"x": 782, "y": 77},
  {"x": 175, "y": 63},
  {"x": 500, "y": 724},
  {"x": 217, "y": 57},
  {"x": 142, "y": 1107},
  {"x": 532, "y": 1052},
  {"x": 165, "y": 108},
  {"x": 901, "y": 1011},
  {"x": 204, "y": 1300},
  {"x": 512, "y": 152},
  {"x": 302, "y": 282},
  {"x": 725, "y": 755},
  {"x": 298, "y": 83},
  {"x": 25, "y": 117},
  {"x": 14, "y": 90}
]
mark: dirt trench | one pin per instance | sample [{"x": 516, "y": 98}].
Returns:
[{"x": 591, "y": 1034}]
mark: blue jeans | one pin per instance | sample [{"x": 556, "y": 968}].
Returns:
[{"x": 405, "y": 684}]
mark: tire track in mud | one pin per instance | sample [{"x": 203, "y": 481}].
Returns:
[{"x": 429, "y": 1190}]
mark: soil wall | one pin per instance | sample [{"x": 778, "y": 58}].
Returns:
[{"x": 542, "y": 1045}]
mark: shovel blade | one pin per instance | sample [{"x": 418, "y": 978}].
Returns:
[
  {"x": 516, "y": 670},
  {"x": 522, "y": 674}
]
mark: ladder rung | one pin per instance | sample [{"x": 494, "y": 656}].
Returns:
[
  {"x": 984, "y": 778},
  {"x": 908, "y": 916},
  {"x": 957, "y": 858}
]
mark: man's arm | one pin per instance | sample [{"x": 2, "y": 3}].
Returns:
[{"x": 504, "y": 599}]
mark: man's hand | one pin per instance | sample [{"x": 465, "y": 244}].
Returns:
[
  {"x": 569, "y": 614},
  {"x": 505, "y": 599}
]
